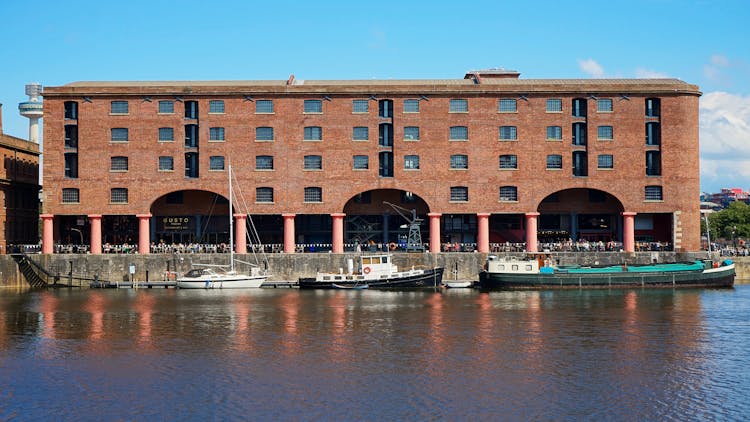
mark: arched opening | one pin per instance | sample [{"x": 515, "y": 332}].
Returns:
[
  {"x": 371, "y": 220},
  {"x": 190, "y": 216},
  {"x": 580, "y": 214}
]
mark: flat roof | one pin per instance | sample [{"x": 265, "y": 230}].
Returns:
[{"x": 375, "y": 86}]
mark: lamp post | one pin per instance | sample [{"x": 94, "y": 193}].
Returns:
[{"x": 734, "y": 239}]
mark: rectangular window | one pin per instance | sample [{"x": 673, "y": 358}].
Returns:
[
  {"x": 554, "y": 133},
  {"x": 313, "y": 106},
  {"x": 508, "y": 162},
  {"x": 459, "y": 133},
  {"x": 71, "y": 110},
  {"x": 554, "y": 162},
  {"x": 216, "y": 106},
  {"x": 263, "y": 106},
  {"x": 166, "y": 163},
  {"x": 313, "y": 133},
  {"x": 191, "y": 109},
  {"x": 508, "y": 133},
  {"x": 605, "y": 161},
  {"x": 313, "y": 162},
  {"x": 654, "y": 193},
  {"x": 459, "y": 194},
  {"x": 360, "y": 106},
  {"x": 118, "y": 164},
  {"x": 264, "y": 194},
  {"x": 411, "y": 133},
  {"x": 459, "y": 106},
  {"x": 119, "y": 107},
  {"x": 166, "y": 134},
  {"x": 216, "y": 134},
  {"x": 264, "y": 133},
  {"x": 264, "y": 162},
  {"x": 71, "y": 196},
  {"x": 604, "y": 133},
  {"x": 459, "y": 162},
  {"x": 604, "y": 105},
  {"x": 361, "y": 162},
  {"x": 119, "y": 134},
  {"x": 216, "y": 163},
  {"x": 554, "y": 105},
  {"x": 166, "y": 107},
  {"x": 411, "y": 162},
  {"x": 118, "y": 196},
  {"x": 313, "y": 194},
  {"x": 507, "y": 105},
  {"x": 411, "y": 106},
  {"x": 508, "y": 194},
  {"x": 361, "y": 133}
]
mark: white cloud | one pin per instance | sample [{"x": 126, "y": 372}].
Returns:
[
  {"x": 591, "y": 67},
  {"x": 644, "y": 73},
  {"x": 725, "y": 140},
  {"x": 714, "y": 70},
  {"x": 719, "y": 60}
]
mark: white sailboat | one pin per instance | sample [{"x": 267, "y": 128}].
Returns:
[{"x": 220, "y": 277}]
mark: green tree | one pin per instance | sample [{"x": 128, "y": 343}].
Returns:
[{"x": 731, "y": 222}]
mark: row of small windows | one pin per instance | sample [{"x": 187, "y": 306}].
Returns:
[
  {"x": 314, "y": 194},
  {"x": 456, "y": 105},
  {"x": 361, "y": 133},
  {"x": 411, "y": 162}
]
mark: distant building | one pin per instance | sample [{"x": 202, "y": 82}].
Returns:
[
  {"x": 19, "y": 189},
  {"x": 729, "y": 195},
  {"x": 487, "y": 158}
]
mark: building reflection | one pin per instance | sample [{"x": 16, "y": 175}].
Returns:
[
  {"x": 339, "y": 346},
  {"x": 242, "y": 336},
  {"x": 95, "y": 306},
  {"x": 289, "y": 305},
  {"x": 144, "y": 305}
]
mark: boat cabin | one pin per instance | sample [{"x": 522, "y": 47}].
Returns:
[{"x": 511, "y": 264}]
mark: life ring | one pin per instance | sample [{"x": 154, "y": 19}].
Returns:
[
  {"x": 392, "y": 246},
  {"x": 366, "y": 270}
]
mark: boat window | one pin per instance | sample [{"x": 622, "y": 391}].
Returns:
[
  {"x": 349, "y": 277},
  {"x": 367, "y": 260},
  {"x": 514, "y": 267},
  {"x": 501, "y": 267},
  {"x": 528, "y": 268},
  {"x": 376, "y": 260},
  {"x": 326, "y": 277},
  {"x": 338, "y": 277},
  {"x": 384, "y": 260},
  {"x": 360, "y": 277}
]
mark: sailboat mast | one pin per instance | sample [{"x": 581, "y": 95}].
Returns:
[{"x": 231, "y": 223}]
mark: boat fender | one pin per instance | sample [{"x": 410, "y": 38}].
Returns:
[
  {"x": 366, "y": 270},
  {"x": 716, "y": 264},
  {"x": 392, "y": 246}
]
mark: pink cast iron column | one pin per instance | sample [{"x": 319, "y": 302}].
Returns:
[
  {"x": 628, "y": 231},
  {"x": 483, "y": 234},
  {"x": 289, "y": 246},
  {"x": 48, "y": 245},
  {"x": 144, "y": 234},
  {"x": 531, "y": 229},
  {"x": 338, "y": 232},
  {"x": 434, "y": 231},
  {"x": 96, "y": 233},
  {"x": 240, "y": 233}
]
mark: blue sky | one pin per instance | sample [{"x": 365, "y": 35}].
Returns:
[{"x": 701, "y": 42}]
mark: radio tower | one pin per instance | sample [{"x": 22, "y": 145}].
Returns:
[{"x": 33, "y": 110}]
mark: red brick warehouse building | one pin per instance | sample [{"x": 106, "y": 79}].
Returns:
[{"x": 489, "y": 158}]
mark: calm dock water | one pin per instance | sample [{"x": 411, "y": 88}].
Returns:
[{"x": 285, "y": 354}]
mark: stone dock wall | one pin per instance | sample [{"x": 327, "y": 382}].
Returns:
[{"x": 289, "y": 267}]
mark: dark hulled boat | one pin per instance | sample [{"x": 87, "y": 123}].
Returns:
[{"x": 376, "y": 271}]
